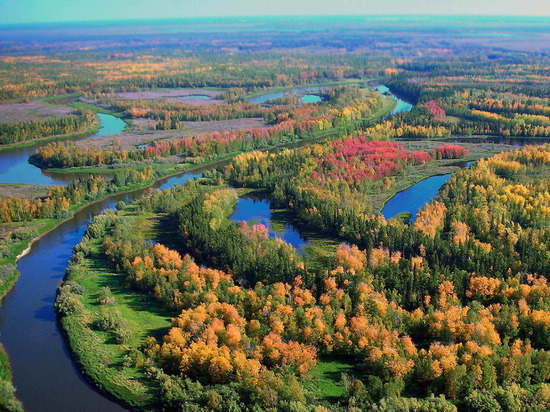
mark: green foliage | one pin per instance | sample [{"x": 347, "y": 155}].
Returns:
[{"x": 8, "y": 402}]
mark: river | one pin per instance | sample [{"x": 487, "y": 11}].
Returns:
[
  {"x": 15, "y": 167},
  {"x": 401, "y": 106},
  {"x": 43, "y": 371}
]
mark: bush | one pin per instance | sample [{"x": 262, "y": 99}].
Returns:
[
  {"x": 67, "y": 303},
  {"x": 122, "y": 335},
  {"x": 105, "y": 296},
  {"x": 8, "y": 402},
  {"x": 109, "y": 322},
  {"x": 75, "y": 288},
  {"x": 450, "y": 151},
  {"x": 6, "y": 272}
]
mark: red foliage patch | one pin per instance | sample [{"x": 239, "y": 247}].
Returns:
[
  {"x": 450, "y": 151},
  {"x": 355, "y": 159},
  {"x": 437, "y": 112}
]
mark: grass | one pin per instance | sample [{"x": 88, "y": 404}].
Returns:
[
  {"x": 15, "y": 248},
  {"x": 5, "y": 371},
  {"x": 325, "y": 379}
]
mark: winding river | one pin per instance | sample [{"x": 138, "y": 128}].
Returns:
[{"x": 43, "y": 371}]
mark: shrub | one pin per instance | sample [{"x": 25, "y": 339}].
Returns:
[
  {"x": 105, "y": 296},
  {"x": 109, "y": 322},
  {"x": 67, "y": 303}
]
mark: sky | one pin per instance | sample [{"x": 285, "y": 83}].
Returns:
[{"x": 30, "y": 11}]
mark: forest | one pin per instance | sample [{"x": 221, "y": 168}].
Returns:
[{"x": 317, "y": 302}]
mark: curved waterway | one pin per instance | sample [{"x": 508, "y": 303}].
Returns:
[
  {"x": 43, "y": 371},
  {"x": 15, "y": 167},
  {"x": 401, "y": 106}
]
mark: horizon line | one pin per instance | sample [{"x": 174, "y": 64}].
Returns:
[{"x": 281, "y": 16}]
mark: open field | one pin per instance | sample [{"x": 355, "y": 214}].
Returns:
[
  {"x": 23, "y": 191},
  {"x": 174, "y": 96},
  {"x": 20, "y": 112}
]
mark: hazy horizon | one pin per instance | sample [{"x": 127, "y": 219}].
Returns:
[
  {"x": 433, "y": 18},
  {"x": 48, "y": 11}
]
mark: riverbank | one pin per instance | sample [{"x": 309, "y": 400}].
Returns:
[{"x": 97, "y": 355}]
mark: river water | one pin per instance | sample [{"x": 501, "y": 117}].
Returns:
[
  {"x": 43, "y": 372},
  {"x": 401, "y": 105},
  {"x": 15, "y": 168}
]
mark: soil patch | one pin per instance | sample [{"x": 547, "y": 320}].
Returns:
[{"x": 18, "y": 112}]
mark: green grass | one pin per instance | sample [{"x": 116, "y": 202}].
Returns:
[
  {"x": 325, "y": 379},
  {"x": 5, "y": 371},
  {"x": 17, "y": 247}
]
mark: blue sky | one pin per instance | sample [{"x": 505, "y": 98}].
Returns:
[{"x": 25, "y": 11}]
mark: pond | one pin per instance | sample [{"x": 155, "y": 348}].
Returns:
[
  {"x": 254, "y": 209},
  {"x": 311, "y": 98},
  {"x": 196, "y": 96},
  {"x": 306, "y": 93}
]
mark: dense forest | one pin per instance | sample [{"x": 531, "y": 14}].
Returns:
[
  {"x": 453, "y": 306},
  {"x": 170, "y": 303}
]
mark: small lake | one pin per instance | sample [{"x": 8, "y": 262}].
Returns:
[
  {"x": 15, "y": 166},
  {"x": 311, "y": 98},
  {"x": 254, "y": 209},
  {"x": 414, "y": 198},
  {"x": 306, "y": 93},
  {"x": 402, "y": 106}
]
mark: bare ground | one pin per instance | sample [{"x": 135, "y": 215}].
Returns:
[
  {"x": 23, "y": 191},
  {"x": 17, "y": 112},
  {"x": 140, "y": 132},
  {"x": 175, "y": 96}
]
